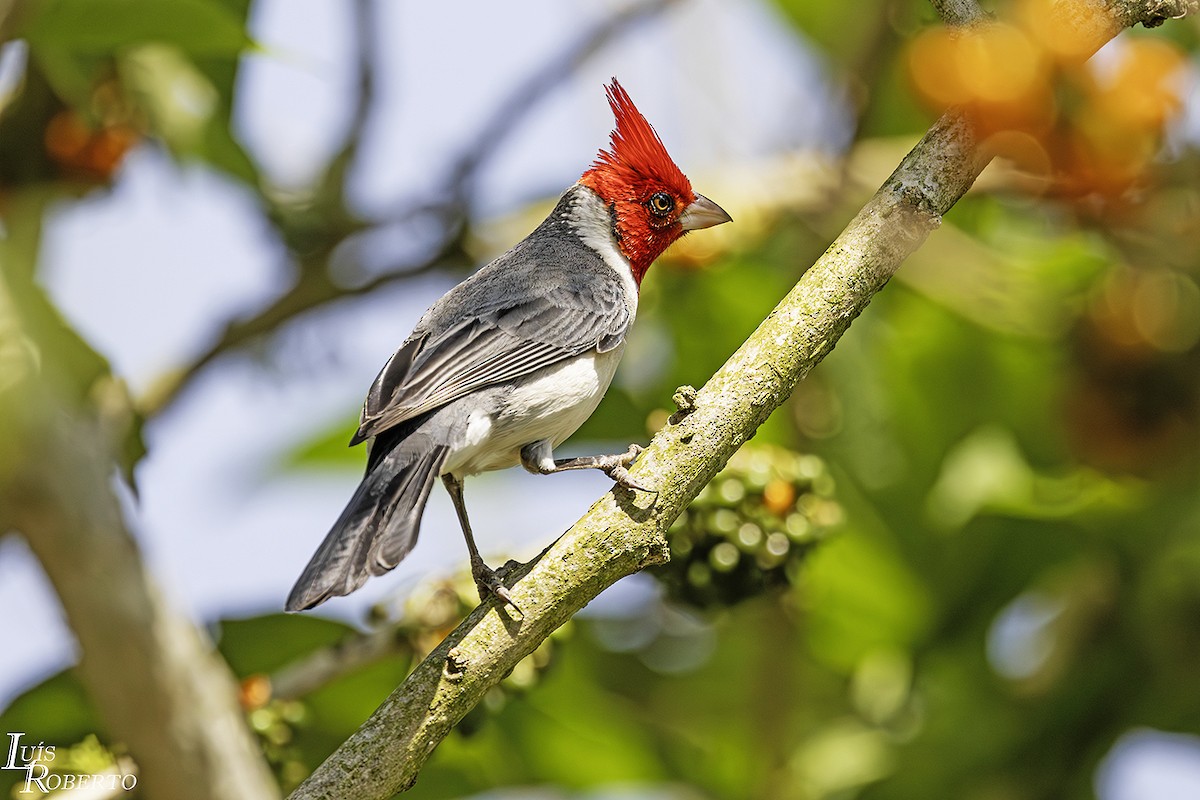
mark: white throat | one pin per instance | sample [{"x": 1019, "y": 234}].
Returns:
[{"x": 589, "y": 217}]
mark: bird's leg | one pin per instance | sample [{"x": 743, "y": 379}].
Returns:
[
  {"x": 539, "y": 458},
  {"x": 486, "y": 579}
]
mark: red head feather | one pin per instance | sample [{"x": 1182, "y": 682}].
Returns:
[
  {"x": 634, "y": 168},
  {"x": 636, "y": 151}
]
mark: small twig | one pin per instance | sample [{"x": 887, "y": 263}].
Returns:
[
  {"x": 514, "y": 107},
  {"x": 366, "y": 32},
  {"x": 317, "y": 289},
  {"x": 432, "y": 608},
  {"x": 322, "y": 666}
]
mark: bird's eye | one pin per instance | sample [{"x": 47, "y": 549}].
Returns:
[{"x": 661, "y": 204}]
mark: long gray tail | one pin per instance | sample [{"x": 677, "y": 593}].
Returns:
[{"x": 380, "y": 524}]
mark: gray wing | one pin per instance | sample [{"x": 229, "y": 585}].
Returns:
[{"x": 500, "y": 324}]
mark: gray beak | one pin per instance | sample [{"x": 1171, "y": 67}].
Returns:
[{"x": 702, "y": 213}]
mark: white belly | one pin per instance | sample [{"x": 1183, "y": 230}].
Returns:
[{"x": 550, "y": 404}]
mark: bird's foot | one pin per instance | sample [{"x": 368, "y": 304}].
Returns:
[
  {"x": 487, "y": 581},
  {"x": 616, "y": 467}
]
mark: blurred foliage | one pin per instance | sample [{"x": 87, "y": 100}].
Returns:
[
  {"x": 1012, "y": 428},
  {"x": 1079, "y": 130}
]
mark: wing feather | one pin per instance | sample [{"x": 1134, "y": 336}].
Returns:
[{"x": 492, "y": 332}]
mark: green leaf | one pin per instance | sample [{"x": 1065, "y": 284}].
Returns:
[
  {"x": 220, "y": 149},
  {"x": 863, "y": 597},
  {"x": 70, "y": 75},
  {"x": 69, "y": 364},
  {"x": 56, "y": 710},
  {"x": 200, "y": 27},
  {"x": 263, "y": 644},
  {"x": 328, "y": 448}
]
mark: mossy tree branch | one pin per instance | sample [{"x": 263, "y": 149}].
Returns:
[
  {"x": 959, "y": 12},
  {"x": 624, "y": 532}
]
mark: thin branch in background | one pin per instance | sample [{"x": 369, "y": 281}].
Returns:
[
  {"x": 316, "y": 285},
  {"x": 366, "y": 39},
  {"x": 624, "y": 532},
  {"x": 327, "y": 664},
  {"x": 516, "y": 105},
  {"x": 432, "y": 609}
]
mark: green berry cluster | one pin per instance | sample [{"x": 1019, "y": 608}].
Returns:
[
  {"x": 275, "y": 724},
  {"x": 749, "y": 529}
]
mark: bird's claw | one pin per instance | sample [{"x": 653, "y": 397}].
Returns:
[
  {"x": 487, "y": 581},
  {"x": 505, "y": 598},
  {"x": 621, "y": 476},
  {"x": 619, "y": 472}
]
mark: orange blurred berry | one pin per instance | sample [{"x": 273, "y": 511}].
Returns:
[
  {"x": 1144, "y": 89},
  {"x": 79, "y": 149},
  {"x": 998, "y": 64},
  {"x": 108, "y": 149},
  {"x": 930, "y": 65},
  {"x": 996, "y": 71},
  {"x": 254, "y": 692},
  {"x": 1043, "y": 20},
  {"x": 779, "y": 496},
  {"x": 66, "y": 136}
]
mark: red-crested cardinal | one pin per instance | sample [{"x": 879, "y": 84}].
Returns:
[{"x": 509, "y": 363}]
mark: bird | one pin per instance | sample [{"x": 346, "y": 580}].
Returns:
[{"x": 509, "y": 363}]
